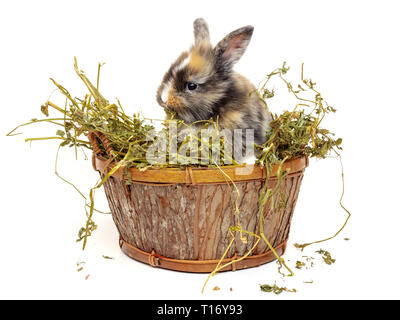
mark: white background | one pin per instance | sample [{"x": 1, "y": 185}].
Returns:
[{"x": 351, "y": 48}]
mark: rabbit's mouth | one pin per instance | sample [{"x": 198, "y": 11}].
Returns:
[
  {"x": 172, "y": 103},
  {"x": 179, "y": 112},
  {"x": 175, "y": 102},
  {"x": 169, "y": 107}
]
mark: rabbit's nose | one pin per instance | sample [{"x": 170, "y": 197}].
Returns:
[
  {"x": 174, "y": 101},
  {"x": 170, "y": 98}
]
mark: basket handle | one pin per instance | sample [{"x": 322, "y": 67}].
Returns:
[{"x": 93, "y": 135}]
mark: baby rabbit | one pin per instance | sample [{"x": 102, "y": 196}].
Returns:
[{"x": 201, "y": 84}]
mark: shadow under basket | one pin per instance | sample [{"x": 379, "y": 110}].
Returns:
[{"x": 179, "y": 219}]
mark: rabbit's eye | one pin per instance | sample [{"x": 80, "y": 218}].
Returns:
[{"x": 191, "y": 86}]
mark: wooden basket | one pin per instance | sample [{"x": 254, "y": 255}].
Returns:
[{"x": 179, "y": 219}]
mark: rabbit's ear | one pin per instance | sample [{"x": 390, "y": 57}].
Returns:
[
  {"x": 201, "y": 33},
  {"x": 231, "y": 48}
]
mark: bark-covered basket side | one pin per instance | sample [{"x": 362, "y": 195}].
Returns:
[{"x": 191, "y": 222}]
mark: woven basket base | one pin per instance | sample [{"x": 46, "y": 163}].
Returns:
[{"x": 198, "y": 266}]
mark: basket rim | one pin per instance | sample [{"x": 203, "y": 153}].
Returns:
[{"x": 199, "y": 175}]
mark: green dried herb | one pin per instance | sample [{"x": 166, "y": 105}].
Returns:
[
  {"x": 294, "y": 134},
  {"x": 298, "y": 132},
  {"x": 326, "y": 256},
  {"x": 60, "y": 133},
  {"x": 275, "y": 289},
  {"x": 79, "y": 264},
  {"x": 45, "y": 109}
]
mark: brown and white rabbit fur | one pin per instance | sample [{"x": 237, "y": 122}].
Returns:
[{"x": 201, "y": 84}]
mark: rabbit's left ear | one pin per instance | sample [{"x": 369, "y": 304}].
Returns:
[
  {"x": 231, "y": 48},
  {"x": 201, "y": 33}
]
